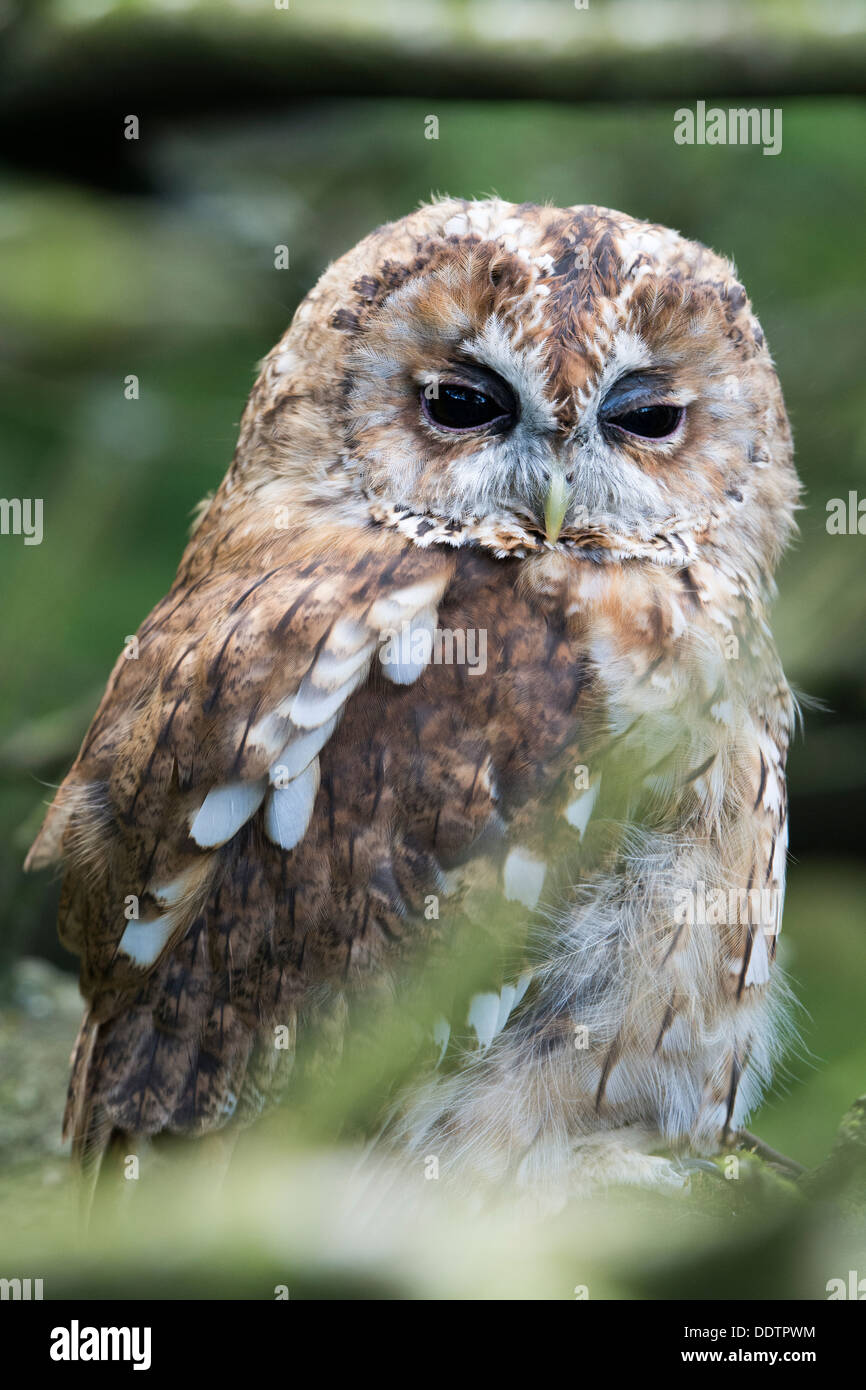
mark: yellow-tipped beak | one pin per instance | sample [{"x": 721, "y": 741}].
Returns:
[{"x": 556, "y": 501}]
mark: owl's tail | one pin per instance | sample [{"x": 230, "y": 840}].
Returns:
[
  {"x": 107, "y": 1119},
  {"x": 103, "y": 1151},
  {"x": 85, "y": 1122}
]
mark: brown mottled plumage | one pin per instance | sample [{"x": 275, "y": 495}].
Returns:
[{"x": 266, "y": 801}]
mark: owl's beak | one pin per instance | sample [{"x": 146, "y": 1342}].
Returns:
[{"x": 557, "y": 499}]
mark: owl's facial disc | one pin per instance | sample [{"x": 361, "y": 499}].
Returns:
[
  {"x": 464, "y": 419},
  {"x": 502, "y": 383},
  {"x": 503, "y": 374}
]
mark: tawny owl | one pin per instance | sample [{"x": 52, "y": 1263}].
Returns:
[{"x": 465, "y": 679}]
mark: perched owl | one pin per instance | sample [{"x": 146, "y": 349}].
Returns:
[{"x": 463, "y": 702}]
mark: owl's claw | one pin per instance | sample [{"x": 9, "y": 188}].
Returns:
[
  {"x": 619, "y": 1164},
  {"x": 698, "y": 1165}
]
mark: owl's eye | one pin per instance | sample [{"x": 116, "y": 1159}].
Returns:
[
  {"x": 649, "y": 421},
  {"x": 459, "y": 405}
]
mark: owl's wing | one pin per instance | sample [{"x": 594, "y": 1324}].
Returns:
[
  {"x": 276, "y": 790},
  {"x": 181, "y": 818}
]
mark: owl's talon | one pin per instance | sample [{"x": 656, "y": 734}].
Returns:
[
  {"x": 697, "y": 1165},
  {"x": 622, "y": 1162}
]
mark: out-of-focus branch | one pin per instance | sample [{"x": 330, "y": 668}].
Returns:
[{"x": 224, "y": 57}]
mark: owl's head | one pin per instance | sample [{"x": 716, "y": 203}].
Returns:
[{"x": 570, "y": 378}]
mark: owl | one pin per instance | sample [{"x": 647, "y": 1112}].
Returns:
[{"x": 462, "y": 710}]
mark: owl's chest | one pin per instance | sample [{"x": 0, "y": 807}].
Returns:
[
  {"x": 582, "y": 672},
  {"x": 497, "y": 738}
]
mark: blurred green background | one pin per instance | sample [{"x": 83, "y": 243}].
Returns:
[{"x": 261, "y": 127}]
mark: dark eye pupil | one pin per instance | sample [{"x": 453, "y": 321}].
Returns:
[
  {"x": 463, "y": 407},
  {"x": 650, "y": 421}
]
